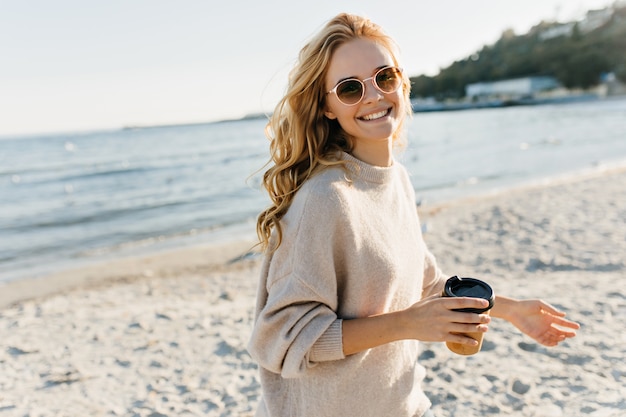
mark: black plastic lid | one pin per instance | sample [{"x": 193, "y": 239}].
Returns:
[{"x": 469, "y": 287}]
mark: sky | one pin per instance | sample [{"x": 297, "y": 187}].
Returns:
[{"x": 79, "y": 65}]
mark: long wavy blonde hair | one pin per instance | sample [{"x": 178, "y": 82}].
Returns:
[{"x": 302, "y": 140}]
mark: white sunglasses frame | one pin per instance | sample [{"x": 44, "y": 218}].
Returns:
[{"x": 374, "y": 83}]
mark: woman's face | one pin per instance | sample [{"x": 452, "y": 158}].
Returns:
[{"x": 373, "y": 120}]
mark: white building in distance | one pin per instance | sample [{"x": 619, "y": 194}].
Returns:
[{"x": 514, "y": 88}]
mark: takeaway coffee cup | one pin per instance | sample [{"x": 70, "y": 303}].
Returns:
[{"x": 469, "y": 287}]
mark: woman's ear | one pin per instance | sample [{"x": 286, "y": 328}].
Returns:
[{"x": 330, "y": 115}]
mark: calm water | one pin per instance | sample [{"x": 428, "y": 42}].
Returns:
[{"x": 73, "y": 198}]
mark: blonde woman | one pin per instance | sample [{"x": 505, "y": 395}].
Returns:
[{"x": 348, "y": 286}]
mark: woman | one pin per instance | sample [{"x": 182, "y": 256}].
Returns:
[{"x": 348, "y": 286}]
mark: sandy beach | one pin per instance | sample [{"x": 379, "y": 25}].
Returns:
[{"x": 166, "y": 334}]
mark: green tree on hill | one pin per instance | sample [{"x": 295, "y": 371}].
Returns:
[{"x": 575, "y": 58}]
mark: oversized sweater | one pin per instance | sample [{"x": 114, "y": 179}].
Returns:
[{"x": 352, "y": 247}]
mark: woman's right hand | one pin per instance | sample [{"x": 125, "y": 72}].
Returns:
[
  {"x": 433, "y": 319},
  {"x": 430, "y": 320}
]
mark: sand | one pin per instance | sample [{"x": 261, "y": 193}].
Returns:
[{"x": 165, "y": 335}]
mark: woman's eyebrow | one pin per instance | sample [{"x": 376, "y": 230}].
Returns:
[{"x": 353, "y": 77}]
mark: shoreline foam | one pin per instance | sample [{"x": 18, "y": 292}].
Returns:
[{"x": 224, "y": 244}]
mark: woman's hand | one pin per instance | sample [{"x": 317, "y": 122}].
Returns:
[
  {"x": 433, "y": 319},
  {"x": 429, "y": 320},
  {"x": 537, "y": 319}
]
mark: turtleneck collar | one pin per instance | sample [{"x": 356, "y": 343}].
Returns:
[{"x": 366, "y": 172}]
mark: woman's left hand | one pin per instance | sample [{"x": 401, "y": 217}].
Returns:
[{"x": 541, "y": 321}]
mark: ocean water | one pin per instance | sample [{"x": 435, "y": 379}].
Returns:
[{"x": 70, "y": 199}]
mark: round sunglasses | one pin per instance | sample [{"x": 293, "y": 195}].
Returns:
[{"x": 351, "y": 91}]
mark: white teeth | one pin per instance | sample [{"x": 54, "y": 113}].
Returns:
[{"x": 375, "y": 115}]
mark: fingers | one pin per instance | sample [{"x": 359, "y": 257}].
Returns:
[
  {"x": 465, "y": 334},
  {"x": 468, "y": 328},
  {"x": 553, "y": 336},
  {"x": 550, "y": 342},
  {"x": 470, "y": 319},
  {"x": 463, "y": 338},
  {"x": 545, "y": 307},
  {"x": 434, "y": 319},
  {"x": 562, "y": 333},
  {"x": 551, "y": 339},
  {"x": 566, "y": 323},
  {"x": 558, "y": 317},
  {"x": 462, "y": 322},
  {"x": 456, "y": 303}
]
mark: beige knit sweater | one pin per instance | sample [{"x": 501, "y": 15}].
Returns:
[{"x": 351, "y": 248}]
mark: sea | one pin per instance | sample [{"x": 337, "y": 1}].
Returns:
[{"x": 72, "y": 199}]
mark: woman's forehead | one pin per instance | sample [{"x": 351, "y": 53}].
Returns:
[{"x": 358, "y": 58}]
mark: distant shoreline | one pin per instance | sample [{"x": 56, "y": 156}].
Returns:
[
  {"x": 253, "y": 116},
  {"x": 422, "y": 107},
  {"x": 418, "y": 106}
]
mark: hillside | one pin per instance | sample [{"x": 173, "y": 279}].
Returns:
[{"x": 575, "y": 53}]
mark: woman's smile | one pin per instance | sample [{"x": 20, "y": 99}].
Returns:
[{"x": 375, "y": 116}]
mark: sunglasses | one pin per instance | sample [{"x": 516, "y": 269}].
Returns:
[{"x": 351, "y": 91}]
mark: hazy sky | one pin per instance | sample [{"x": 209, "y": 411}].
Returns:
[{"x": 73, "y": 65}]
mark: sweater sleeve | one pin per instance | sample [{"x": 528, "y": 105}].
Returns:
[
  {"x": 297, "y": 325},
  {"x": 434, "y": 279}
]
